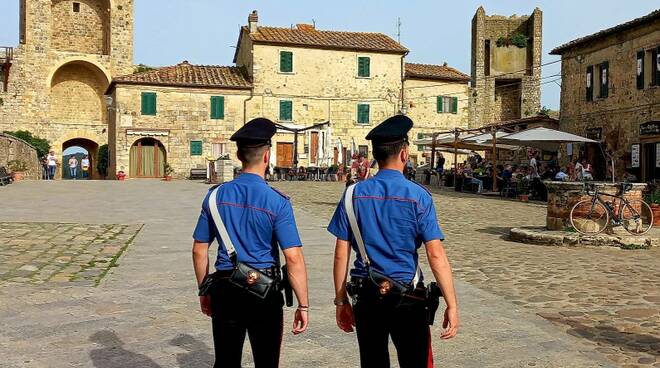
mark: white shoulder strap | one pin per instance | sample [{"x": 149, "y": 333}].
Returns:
[
  {"x": 222, "y": 230},
  {"x": 352, "y": 220}
]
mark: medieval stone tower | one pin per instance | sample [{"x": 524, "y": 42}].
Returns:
[
  {"x": 56, "y": 77},
  {"x": 506, "y": 67}
]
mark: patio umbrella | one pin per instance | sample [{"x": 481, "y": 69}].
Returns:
[
  {"x": 340, "y": 149},
  {"x": 543, "y": 138}
]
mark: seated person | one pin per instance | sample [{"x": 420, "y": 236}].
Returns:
[
  {"x": 561, "y": 175},
  {"x": 468, "y": 175}
]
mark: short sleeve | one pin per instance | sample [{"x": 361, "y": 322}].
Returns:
[
  {"x": 285, "y": 228},
  {"x": 339, "y": 226},
  {"x": 427, "y": 221},
  {"x": 204, "y": 231}
]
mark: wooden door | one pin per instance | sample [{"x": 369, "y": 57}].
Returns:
[
  {"x": 314, "y": 146},
  {"x": 284, "y": 154}
]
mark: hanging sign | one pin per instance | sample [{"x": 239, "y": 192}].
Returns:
[
  {"x": 650, "y": 128},
  {"x": 635, "y": 155},
  {"x": 594, "y": 133}
]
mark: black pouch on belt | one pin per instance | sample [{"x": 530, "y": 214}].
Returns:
[
  {"x": 433, "y": 294},
  {"x": 251, "y": 279},
  {"x": 387, "y": 285}
]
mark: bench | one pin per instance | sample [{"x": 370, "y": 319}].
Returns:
[
  {"x": 5, "y": 177},
  {"x": 196, "y": 174}
]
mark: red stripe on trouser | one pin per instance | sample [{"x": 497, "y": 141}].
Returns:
[{"x": 430, "y": 362}]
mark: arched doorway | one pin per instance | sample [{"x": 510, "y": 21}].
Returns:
[
  {"x": 79, "y": 148},
  {"x": 147, "y": 159}
]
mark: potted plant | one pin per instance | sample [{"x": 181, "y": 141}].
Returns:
[
  {"x": 523, "y": 189},
  {"x": 18, "y": 169},
  {"x": 168, "y": 172},
  {"x": 653, "y": 199}
]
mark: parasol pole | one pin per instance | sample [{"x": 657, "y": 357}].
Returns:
[
  {"x": 494, "y": 159},
  {"x": 455, "y": 156},
  {"x": 432, "y": 166}
]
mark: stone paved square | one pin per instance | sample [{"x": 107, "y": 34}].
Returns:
[
  {"x": 61, "y": 252},
  {"x": 521, "y": 305}
]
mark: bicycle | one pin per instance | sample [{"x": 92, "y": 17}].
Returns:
[{"x": 592, "y": 216}]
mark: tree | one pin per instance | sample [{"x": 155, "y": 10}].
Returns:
[
  {"x": 102, "y": 161},
  {"x": 40, "y": 144}
]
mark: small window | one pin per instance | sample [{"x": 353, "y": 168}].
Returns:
[
  {"x": 640, "y": 69},
  {"x": 447, "y": 104},
  {"x": 363, "y": 113},
  {"x": 217, "y": 107},
  {"x": 364, "y": 67},
  {"x": 195, "y": 148},
  {"x": 286, "y": 62},
  {"x": 286, "y": 110},
  {"x": 604, "y": 80},
  {"x": 590, "y": 83},
  {"x": 76, "y": 7},
  {"x": 148, "y": 103},
  {"x": 655, "y": 66},
  {"x": 219, "y": 149}
]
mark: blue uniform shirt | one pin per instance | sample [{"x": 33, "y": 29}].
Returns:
[
  {"x": 257, "y": 218},
  {"x": 395, "y": 217}
]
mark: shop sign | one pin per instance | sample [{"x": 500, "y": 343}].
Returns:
[
  {"x": 650, "y": 128},
  {"x": 635, "y": 155},
  {"x": 594, "y": 133}
]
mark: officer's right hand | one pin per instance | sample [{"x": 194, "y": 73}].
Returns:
[
  {"x": 450, "y": 324},
  {"x": 345, "y": 319},
  {"x": 205, "y": 304}
]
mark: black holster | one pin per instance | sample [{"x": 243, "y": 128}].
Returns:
[
  {"x": 285, "y": 285},
  {"x": 433, "y": 294}
]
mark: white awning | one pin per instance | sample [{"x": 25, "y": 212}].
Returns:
[{"x": 543, "y": 138}]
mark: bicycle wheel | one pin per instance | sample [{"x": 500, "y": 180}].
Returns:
[
  {"x": 589, "y": 218},
  {"x": 636, "y": 217}
]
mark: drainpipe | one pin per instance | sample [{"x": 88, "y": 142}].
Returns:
[
  {"x": 245, "y": 105},
  {"x": 403, "y": 78}
]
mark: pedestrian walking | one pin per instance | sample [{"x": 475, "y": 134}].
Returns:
[
  {"x": 44, "y": 167},
  {"x": 73, "y": 167},
  {"x": 52, "y": 165},
  {"x": 385, "y": 220},
  {"x": 249, "y": 220},
  {"x": 84, "y": 165}
]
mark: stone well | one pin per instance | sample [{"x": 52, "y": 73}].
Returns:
[{"x": 562, "y": 196}]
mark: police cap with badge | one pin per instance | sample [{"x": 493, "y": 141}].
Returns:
[
  {"x": 256, "y": 133},
  {"x": 391, "y": 131}
]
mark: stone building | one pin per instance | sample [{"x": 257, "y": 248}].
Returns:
[
  {"x": 506, "y": 67},
  {"x": 297, "y": 77},
  {"x": 68, "y": 53},
  {"x": 610, "y": 93}
]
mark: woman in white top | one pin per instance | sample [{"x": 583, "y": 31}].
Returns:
[
  {"x": 84, "y": 165},
  {"x": 52, "y": 164}
]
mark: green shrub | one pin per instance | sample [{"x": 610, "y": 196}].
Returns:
[
  {"x": 102, "y": 161},
  {"x": 519, "y": 39},
  {"x": 42, "y": 145}
]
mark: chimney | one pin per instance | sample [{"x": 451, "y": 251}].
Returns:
[
  {"x": 305, "y": 27},
  {"x": 253, "y": 19}
]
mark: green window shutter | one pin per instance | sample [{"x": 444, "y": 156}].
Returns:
[
  {"x": 420, "y": 135},
  {"x": 364, "y": 66},
  {"x": 148, "y": 103},
  {"x": 363, "y": 114},
  {"x": 640, "y": 69},
  {"x": 590, "y": 83},
  {"x": 286, "y": 61},
  {"x": 286, "y": 110},
  {"x": 604, "y": 79},
  {"x": 195, "y": 148},
  {"x": 217, "y": 107},
  {"x": 439, "y": 103},
  {"x": 454, "y": 105}
]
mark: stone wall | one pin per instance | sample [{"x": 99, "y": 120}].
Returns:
[
  {"x": 626, "y": 107},
  {"x": 492, "y": 68},
  {"x": 27, "y": 104},
  {"x": 12, "y": 148},
  {"x": 85, "y": 31}
]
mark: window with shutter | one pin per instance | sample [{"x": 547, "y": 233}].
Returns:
[
  {"x": 655, "y": 60},
  {"x": 590, "y": 83},
  {"x": 439, "y": 104},
  {"x": 217, "y": 107},
  {"x": 148, "y": 103},
  {"x": 640, "y": 69},
  {"x": 454, "y": 105},
  {"x": 286, "y": 110},
  {"x": 364, "y": 66},
  {"x": 604, "y": 80},
  {"x": 286, "y": 61},
  {"x": 363, "y": 113},
  {"x": 195, "y": 148}
]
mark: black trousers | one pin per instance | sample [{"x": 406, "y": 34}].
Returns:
[
  {"x": 376, "y": 320},
  {"x": 236, "y": 312}
]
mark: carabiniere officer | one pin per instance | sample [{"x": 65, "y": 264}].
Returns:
[
  {"x": 258, "y": 219},
  {"x": 394, "y": 217}
]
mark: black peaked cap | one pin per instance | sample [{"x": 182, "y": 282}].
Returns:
[
  {"x": 257, "y": 132},
  {"x": 393, "y": 130}
]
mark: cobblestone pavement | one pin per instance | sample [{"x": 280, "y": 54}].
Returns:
[
  {"x": 61, "y": 252},
  {"x": 145, "y": 312},
  {"x": 604, "y": 295}
]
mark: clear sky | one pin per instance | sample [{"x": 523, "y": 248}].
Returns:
[{"x": 205, "y": 31}]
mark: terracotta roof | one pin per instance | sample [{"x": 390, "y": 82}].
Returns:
[
  {"x": 306, "y": 35},
  {"x": 436, "y": 72},
  {"x": 188, "y": 75},
  {"x": 654, "y": 16}
]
